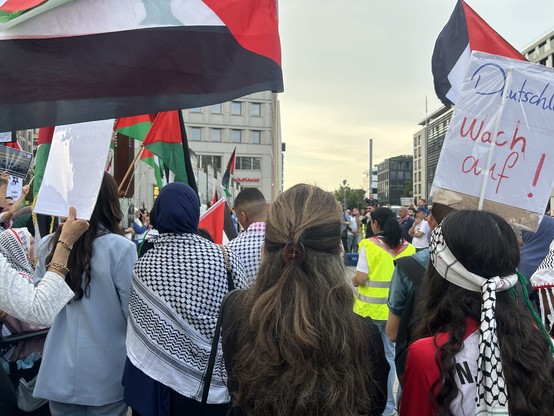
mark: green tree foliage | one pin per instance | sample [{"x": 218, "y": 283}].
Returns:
[
  {"x": 354, "y": 197},
  {"x": 408, "y": 188}
]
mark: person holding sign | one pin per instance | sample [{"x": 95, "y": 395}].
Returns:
[
  {"x": 11, "y": 207},
  {"x": 84, "y": 352},
  {"x": 36, "y": 305},
  {"x": 477, "y": 350}
]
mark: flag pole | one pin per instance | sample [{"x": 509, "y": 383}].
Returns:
[
  {"x": 141, "y": 178},
  {"x": 131, "y": 168}
]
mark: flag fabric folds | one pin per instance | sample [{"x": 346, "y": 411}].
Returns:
[
  {"x": 230, "y": 170},
  {"x": 45, "y": 135},
  {"x": 151, "y": 160},
  {"x": 217, "y": 221},
  {"x": 134, "y": 57},
  {"x": 465, "y": 32},
  {"x": 167, "y": 140},
  {"x": 137, "y": 127}
]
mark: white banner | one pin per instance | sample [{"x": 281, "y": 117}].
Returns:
[
  {"x": 14, "y": 187},
  {"x": 75, "y": 168},
  {"x": 499, "y": 147}
]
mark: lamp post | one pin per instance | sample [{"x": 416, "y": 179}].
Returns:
[{"x": 344, "y": 183}]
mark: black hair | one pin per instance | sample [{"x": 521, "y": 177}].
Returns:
[
  {"x": 486, "y": 245},
  {"x": 105, "y": 219},
  {"x": 390, "y": 228},
  {"x": 250, "y": 200}
]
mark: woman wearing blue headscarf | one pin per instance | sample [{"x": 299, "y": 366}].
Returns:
[{"x": 177, "y": 290}]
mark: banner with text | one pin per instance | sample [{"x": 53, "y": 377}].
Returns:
[{"x": 499, "y": 148}]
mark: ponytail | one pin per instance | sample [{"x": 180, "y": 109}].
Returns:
[{"x": 390, "y": 228}]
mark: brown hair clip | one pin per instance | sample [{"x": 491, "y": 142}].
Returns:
[{"x": 294, "y": 252}]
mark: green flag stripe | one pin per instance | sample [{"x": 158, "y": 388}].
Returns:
[{"x": 172, "y": 155}]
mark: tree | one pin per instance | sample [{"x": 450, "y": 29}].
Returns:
[
  {"x": 408, "y": 188},
  {"x": 354, "y": 197}
]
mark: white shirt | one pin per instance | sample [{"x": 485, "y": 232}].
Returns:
[
  {"x": 423, "y": 241},
  {"x": 35, "y": 305}
]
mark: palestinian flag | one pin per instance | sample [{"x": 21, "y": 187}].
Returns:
[
  {"x": 218, "y": 222},
  {"x": 465, "y": 32},
  {"x": 167, "y": 140},
  {"x": 152, "y": 160},
  {"x": 135, "y": 127},
  {"x": 230, "y": 170},
  {"x": 102, "y": 59},
  {"x": 45, "y": 136},
  {"x": 44, "y": 224},
  {"x": 12, "y": 9}
]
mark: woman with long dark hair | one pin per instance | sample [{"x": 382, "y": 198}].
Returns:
[
  {"x": 84, "y": 352},
  {"x": 373, "y": 279},
  {"x": 479, "y": 351},
  {"x": 292, "y": 344}
]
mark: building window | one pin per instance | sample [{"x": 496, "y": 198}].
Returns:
[
  {"x": 216, "y": 109},
  {"x": 205, "y": 160},
  {"x": 196, "y": 110},
  {"x": 256, "y": 109},
  {"x": 216, "y": 135},
  {"x": 236, "y": 136},
  {"x": 196, "y": 134},
  {"x": 248, "y": 163},
  {"x": 236, "y": 108},
  {"x": 256, "y": 136}
]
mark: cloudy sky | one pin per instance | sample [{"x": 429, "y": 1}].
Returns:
[{"x": 361, "y": 69}]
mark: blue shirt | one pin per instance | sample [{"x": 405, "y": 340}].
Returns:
[
  {"x": 84, "y": 354},
  {"x": 401, "y": 284}
]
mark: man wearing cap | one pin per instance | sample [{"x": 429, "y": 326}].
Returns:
[{"x": 419, "y": 231}]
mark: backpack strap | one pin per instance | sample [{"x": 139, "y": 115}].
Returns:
[{"x": 413, "y": 269}]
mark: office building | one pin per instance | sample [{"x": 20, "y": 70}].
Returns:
[{"x": 392, "y": 176}]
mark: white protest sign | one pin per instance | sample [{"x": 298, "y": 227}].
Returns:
[
  {"x": 5, "y": 137},
  {"x": 499, "y": 147},
  {"x": 74, "y": 170},
  {"x": 15, "y": 186}
]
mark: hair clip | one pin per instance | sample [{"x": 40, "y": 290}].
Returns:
[{"x": 294, "y": 252}]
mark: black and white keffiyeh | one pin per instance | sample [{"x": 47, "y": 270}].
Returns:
[
  {"x": 15, "y": 245},
  {"x": 177, "y": 290},
  {"x": 248, "y": 246},
  {"x": 491, "y": 395}
]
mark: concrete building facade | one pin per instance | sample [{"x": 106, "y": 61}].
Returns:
[
  {"x": 250, "y": 124},
  {"x": 392, "y": 175}
]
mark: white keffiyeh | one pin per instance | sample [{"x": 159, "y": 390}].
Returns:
[
  {"x": 543, "y": 282},
  {"x": 491, "y": 397}
]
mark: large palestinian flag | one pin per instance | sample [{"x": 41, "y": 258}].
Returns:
[
  {"x": 101, "y": 59},
  {"x": 465, "y": 31}
]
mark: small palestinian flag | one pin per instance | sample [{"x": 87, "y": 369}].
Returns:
[
  {"x": 465, "y": 32},
  {"x": 167, "y": 140},
  {"x": 230, "y": 170}
]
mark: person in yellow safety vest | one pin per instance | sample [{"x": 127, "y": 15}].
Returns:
[{"x": 373, "y": 278}]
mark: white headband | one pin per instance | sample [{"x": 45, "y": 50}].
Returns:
[{"x": 491, "y": 397}]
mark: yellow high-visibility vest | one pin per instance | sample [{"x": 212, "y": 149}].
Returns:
[{"x": 371, "y": 299}]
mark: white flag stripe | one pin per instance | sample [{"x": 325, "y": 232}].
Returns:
[{"x": 123, "y": 15}]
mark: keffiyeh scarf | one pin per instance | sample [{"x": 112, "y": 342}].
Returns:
[
  {"x": 491, "y": 397},
  {"x": 15, "y": 245},
  {"x": 177, "y": 290}
]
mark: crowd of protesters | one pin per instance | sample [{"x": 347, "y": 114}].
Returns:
[{"x": 135, "y": 323}]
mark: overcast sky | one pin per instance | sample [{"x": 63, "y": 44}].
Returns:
[{"x": 361, "y": 69}]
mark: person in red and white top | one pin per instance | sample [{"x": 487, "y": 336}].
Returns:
[{"x": 478, "y": 352}]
